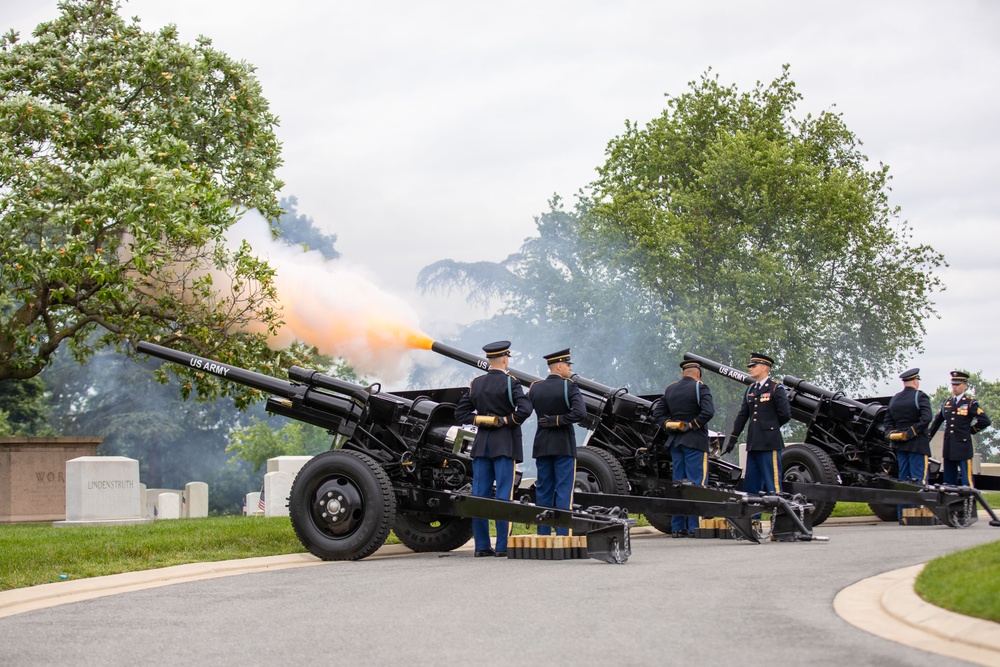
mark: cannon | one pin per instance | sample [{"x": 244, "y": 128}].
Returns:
[
  {"x": 396, "y": 462},
  {"x": 845, "y": 455},
  {"x": 623, "y": 461}
]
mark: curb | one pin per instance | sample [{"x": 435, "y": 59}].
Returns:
[
  {"x": 20, "y": 600},
  {"x": 887, "y": 606}
]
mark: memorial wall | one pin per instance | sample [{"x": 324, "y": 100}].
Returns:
[{"x": 33, "y": 476}]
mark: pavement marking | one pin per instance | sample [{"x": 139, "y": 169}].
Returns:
[{"x": 887, "y": 606}]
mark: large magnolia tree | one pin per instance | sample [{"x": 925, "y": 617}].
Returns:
[{"x": 124, "y": 157}]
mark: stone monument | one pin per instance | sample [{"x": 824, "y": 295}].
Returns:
[
  {"x": 102, "y": 490},
  {"x": 33, "y": 476}
]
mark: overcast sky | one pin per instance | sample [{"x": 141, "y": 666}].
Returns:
[{"x": 418, "y": 131}]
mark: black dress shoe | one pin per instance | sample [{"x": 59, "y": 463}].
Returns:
[
  {"x": 501, "y": 554},
  {"x": 679, "y": 533},
  {"x": 486, "y": 552}
]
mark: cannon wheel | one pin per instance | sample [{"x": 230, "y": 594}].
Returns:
[
  {"x": 884, "y": 512},
  {"x": 342, "y": 505},
  {"x": 598, "y": 471},
  {"x": 661, "y": 522},
  {"x": 421, "y": 531},
  {"x": 809, "y": 464}
]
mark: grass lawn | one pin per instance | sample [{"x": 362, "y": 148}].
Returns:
[
  {"x": 33, "y": 553},
  {"x": 967, "y": 582}
]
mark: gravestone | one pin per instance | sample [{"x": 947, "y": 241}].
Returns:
[
  {"x": 168, "y": 505},
  {"x": 151, "y": 499},
  {"x": 102, "y": 490},
  {"x": 277, "y": 487},
  {"x": 196, "y": 497},
  {"x": 253, "y": 508},
  {"x": 289, "y": 464}
]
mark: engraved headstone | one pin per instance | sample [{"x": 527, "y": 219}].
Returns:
[{"x": 102, "y": 490}]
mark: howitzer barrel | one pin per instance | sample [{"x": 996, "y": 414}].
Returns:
[
  {"x": 802, "y": 386},
  {"x": 317, "y": 379},
  {"x": 479, "y": 362},
  {"x": 720, "y": 368},
  {"x": 524, "y": 378},
  {"x": 338, "y": 405},
  {"x": 806, "y": 399}
]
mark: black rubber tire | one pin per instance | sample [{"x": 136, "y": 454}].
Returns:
[
  {"x": 432, "y": 532},
  {"x": 810, "y": 465},
  {"x": 598, "y": 471},
  {"x": 368, "y": 508},
  {"x": 661, "y": 522},
  {"x": 885, "y": 512}
]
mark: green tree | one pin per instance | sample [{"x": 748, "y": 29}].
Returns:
[
  {"x": 760, "y": 230},
  {"x": 124, "y": 157},
  {"x": 988, "y": 395},
  {"x": 23, "y": 405},
  {"x": 260, "y": 441}
]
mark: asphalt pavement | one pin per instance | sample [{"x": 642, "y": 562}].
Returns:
[{"x": 676, "y": 601}]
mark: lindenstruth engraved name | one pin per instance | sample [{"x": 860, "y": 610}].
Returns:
[{"x": 110, "y": 484}]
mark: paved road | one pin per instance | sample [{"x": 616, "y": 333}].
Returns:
[{"x": 675, "y": 602}]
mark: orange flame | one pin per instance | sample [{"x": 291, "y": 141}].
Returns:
[{"x": 373, "y": 342}]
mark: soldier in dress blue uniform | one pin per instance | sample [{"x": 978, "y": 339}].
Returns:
[
  {"x": 683, "y": 412},
  {"x": 906, "y": 423},
  {"x": 765, "y": 407},
  {"x": 496, "y": 404},
  {"x": 558, "y": 404},
  {"x": 964, "y": 418}
]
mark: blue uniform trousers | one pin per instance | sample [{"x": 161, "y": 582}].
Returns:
[
  {"x": 486, "y": 471},
  {"x": 554, "y": 486},
  {"x": 690, "y": 464},
  {"x": 957, "y": 472},
  {"x": 763, "y": 472},
  {"x": 912, "y": 467}
]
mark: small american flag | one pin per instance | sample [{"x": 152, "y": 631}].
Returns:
[
  {"x": 260, "y": 503},
  {"x": 184, "y": 502},
  {"x": 155, "y": 513},
  {"x": 244, "y": 505}
]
